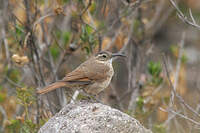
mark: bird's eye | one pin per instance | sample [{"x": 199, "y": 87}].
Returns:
[{"x": 104, "y": 56}]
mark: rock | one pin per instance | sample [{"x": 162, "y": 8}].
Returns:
[{"x": 84, "y": 117}]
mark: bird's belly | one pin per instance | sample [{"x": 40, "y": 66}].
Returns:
[
  {"x": 97, "y": 87},
  {"x": 101, "y": 84}
]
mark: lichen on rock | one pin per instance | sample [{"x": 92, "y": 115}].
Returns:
[{"x": 85, "y": 117}]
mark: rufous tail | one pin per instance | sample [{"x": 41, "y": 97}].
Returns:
[{"x": 51, "y": 87}]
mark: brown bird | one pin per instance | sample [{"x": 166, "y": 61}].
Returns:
[{"x": 92, "y": 76}]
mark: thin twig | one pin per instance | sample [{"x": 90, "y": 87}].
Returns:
[
  {"x": 3, "y": 112},
  {"x": 42, "y": 18},
  {"x": 181, "y": 100},
  {"x": 89, "y": 4},
  {"x": 181, "y": 115},
  {"x": 13, "y": 83},
  {"x": 191, "y": 16},
  {"x": 82, "y": 13},
  {"x": 6, "y": 46},
  {"x": 74, "y": 97},
  {"x": 178, "y": 65},
  {"x": 183, "y": 17},
  {"x": 17, "y": 19},
  {"x": 130, "y": 11}
]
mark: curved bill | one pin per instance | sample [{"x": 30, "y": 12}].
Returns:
[{"x": 118, "y": 54}]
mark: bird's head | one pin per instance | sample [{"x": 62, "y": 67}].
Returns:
[{"x": 105, "y": 56}]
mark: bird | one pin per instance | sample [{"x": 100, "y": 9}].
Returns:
[{"x": 92, "y": 76}]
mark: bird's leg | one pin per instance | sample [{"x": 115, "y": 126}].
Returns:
[
  {"x": 91, "y": 97},
  {"x": 96, "y": 99}
]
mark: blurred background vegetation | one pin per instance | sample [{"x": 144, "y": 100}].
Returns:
[{"x": 158, "y": 83}]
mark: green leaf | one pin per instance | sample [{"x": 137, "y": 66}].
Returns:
[
  {"x": 58, "y": 34},
  {"x": 157, "y": 80},
  {"x": 18, "y": 29},
  {"x": 66, "y": 37},
  {"x": 1, "y": 87},
  {"x": 29, "y": 126},
  {"x": 184, "y": 58},
  {"x": 154, "y": 68},
  {"x": 2, "y": 97},
  {"x": 65, "y": 1},
  {"x": 160, "y": 128},
  {"x": 55, "y": 52},
  {"x": 88, "y": 29},
  {"x": 13, "y": 74},
  {"x": 91, "y": 40},
  {"x": 14, "y": 126},
  {"x": 88, "y": 38},
  {"x": 101, "y": 24},
  {"x": 173, "y": 48},
  {"x": 140, "y": 102},
  {"x": 93, "y": 7},
  {"x": 80, "y": 1},
  {"x": 87, "y": 50},
  {"x": 166, "y": 99}
]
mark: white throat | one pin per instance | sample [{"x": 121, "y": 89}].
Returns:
[{"x": 111, "y": 60}]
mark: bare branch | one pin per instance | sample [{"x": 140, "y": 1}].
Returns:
[
  {"x": 178, "y": 65},
  {"x": 183, "y": 17},
  {"x": 181, "y": 115},
  {"x": 6, "y": 46},
  {"x": 191, "y": 15},
  {"x": 12, "y": 83},
  {"x": 181, "y": 100},
  {"x": 3, "y": 112},
  {"x": 89, "y": 4},
  {"x": 41, "y": 19}
]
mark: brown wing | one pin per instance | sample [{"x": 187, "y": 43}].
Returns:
[
  {"x": 87, "y": 72},
  {"x": 78, "y": 75}
]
